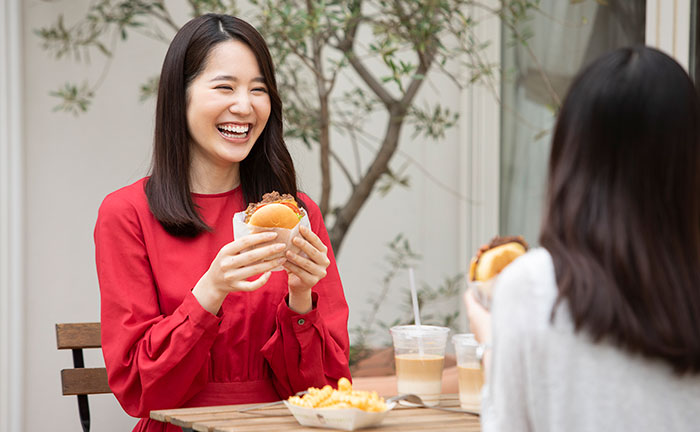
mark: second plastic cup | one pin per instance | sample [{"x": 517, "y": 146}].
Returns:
[
  {"x": 469, "y": 372},
  {"x": 419, "y": 353}
]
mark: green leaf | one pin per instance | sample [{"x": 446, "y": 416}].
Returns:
[
  {"x": 149, "y": 89},
  {"x": 103, "y": 49},
  {"x": 432, "y": 123},
  {"x": 74, "y": 99}
]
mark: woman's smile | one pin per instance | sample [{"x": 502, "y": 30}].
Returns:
[{"x": 235, "y": 132}]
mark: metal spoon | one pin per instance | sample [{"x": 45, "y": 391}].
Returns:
[{"x": 416, "y": 400}]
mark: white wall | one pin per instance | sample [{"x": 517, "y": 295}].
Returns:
[{"x": 73, "y": 162}]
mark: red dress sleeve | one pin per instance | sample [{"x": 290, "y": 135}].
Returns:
[
  {"x": 312, "y": 349},
  {"x": 153, "y": 361}
]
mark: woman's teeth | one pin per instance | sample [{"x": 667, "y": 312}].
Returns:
[{"x": 232, "y": 131}]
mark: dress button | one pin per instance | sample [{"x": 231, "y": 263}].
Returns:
[{"x": 301, "y": 321}]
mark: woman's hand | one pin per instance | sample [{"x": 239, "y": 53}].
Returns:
[
  {"x": 233, "y": 265},
  {"x": 479, "y": 318},
  {"x": 304, "y": 273},
  {"x": 480, "y": 325}
]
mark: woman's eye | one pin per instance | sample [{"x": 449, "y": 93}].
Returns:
[
  {"x": 260, "y": 90},
  {"x": 224, "y": 87}
]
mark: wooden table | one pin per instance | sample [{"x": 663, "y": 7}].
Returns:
[{"x": 227, "y": 419}]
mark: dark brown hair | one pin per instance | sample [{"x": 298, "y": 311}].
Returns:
[
  {"x": 622, "y": 218},
  {"x": 267, "y": 167}
]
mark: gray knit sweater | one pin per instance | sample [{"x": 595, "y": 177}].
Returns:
[{"x": 546, "y": 378}]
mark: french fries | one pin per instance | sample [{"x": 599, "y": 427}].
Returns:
[{"x": 343, "y": 397}]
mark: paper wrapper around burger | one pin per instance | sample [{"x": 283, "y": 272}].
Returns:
[
  {"x": 496, "y": 256},
  {"x": 483, "y": 291},
  {"x": 284, "y": 235}
]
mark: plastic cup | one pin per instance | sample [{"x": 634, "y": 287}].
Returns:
[
  {"x": 419, "y": 353},
  {"x": 469, "y": 372}
]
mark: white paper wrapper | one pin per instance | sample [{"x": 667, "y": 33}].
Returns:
[
  {"x": 483, "y": 291},
  {"x": 284, "y": 235},
  {"x": 348, "y": 419}
]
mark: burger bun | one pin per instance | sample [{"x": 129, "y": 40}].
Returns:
[
  {"x": 492, "y": 261},
  {"x": 274, "y": 215}
]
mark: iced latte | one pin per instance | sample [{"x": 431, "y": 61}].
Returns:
[
  {"x": 419, "y": 353},
  {"x": 469, "y": 372}
]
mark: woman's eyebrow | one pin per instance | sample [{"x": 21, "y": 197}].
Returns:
[
  {"x": 224, "y": 78},
  {"x": 233, "y": 78}
]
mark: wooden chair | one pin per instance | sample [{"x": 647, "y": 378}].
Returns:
[{"x": 81, "y": 381}]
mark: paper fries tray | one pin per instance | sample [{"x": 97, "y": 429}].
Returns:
[{"x": 348, "y": 419}]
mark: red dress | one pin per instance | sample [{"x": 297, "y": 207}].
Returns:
[{"x": 163, "y": 350}]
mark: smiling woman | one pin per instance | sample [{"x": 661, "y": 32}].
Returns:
[
  {"x": 225, "y": 114},
  {"x": 192, "y": 316}
]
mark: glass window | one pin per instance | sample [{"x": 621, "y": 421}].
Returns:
[{"x": 560, "y": 37}]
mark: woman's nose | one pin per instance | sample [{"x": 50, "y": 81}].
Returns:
[{"x": 241, "y": 103}]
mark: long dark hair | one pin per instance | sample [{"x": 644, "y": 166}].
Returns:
[
  {"x": 267, "y": 167},
  {"x": 622, "y": 218}
]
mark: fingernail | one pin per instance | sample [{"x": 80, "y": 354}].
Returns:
[
  {"x": 271, "y": 234},
  {"x": 281, "y": 261},
  {"x": 279, "y": 246}
]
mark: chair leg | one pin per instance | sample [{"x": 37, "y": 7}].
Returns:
[
  {"x": 83, "y": 406},
  {"x": 84, "y": 410}
]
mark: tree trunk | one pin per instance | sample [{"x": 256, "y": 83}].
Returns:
[
  {"x": 346, "y": 215},
  {"x": 325, "y": 142}
]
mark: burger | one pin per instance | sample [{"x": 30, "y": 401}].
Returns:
[
  {"x": 274, "y": 211},
  {"x": 489, "y": 261},
  {"x": 495, "y": 256}
]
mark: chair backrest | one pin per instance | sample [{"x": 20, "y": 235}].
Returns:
[{"x": 81, "y": 381}]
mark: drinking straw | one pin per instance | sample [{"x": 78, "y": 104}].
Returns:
[{"x": 416, "y": 312}]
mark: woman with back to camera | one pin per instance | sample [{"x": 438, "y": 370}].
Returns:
[
  {"x": 600, "y": 328},
  {"x": 185, "y": 321}
]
